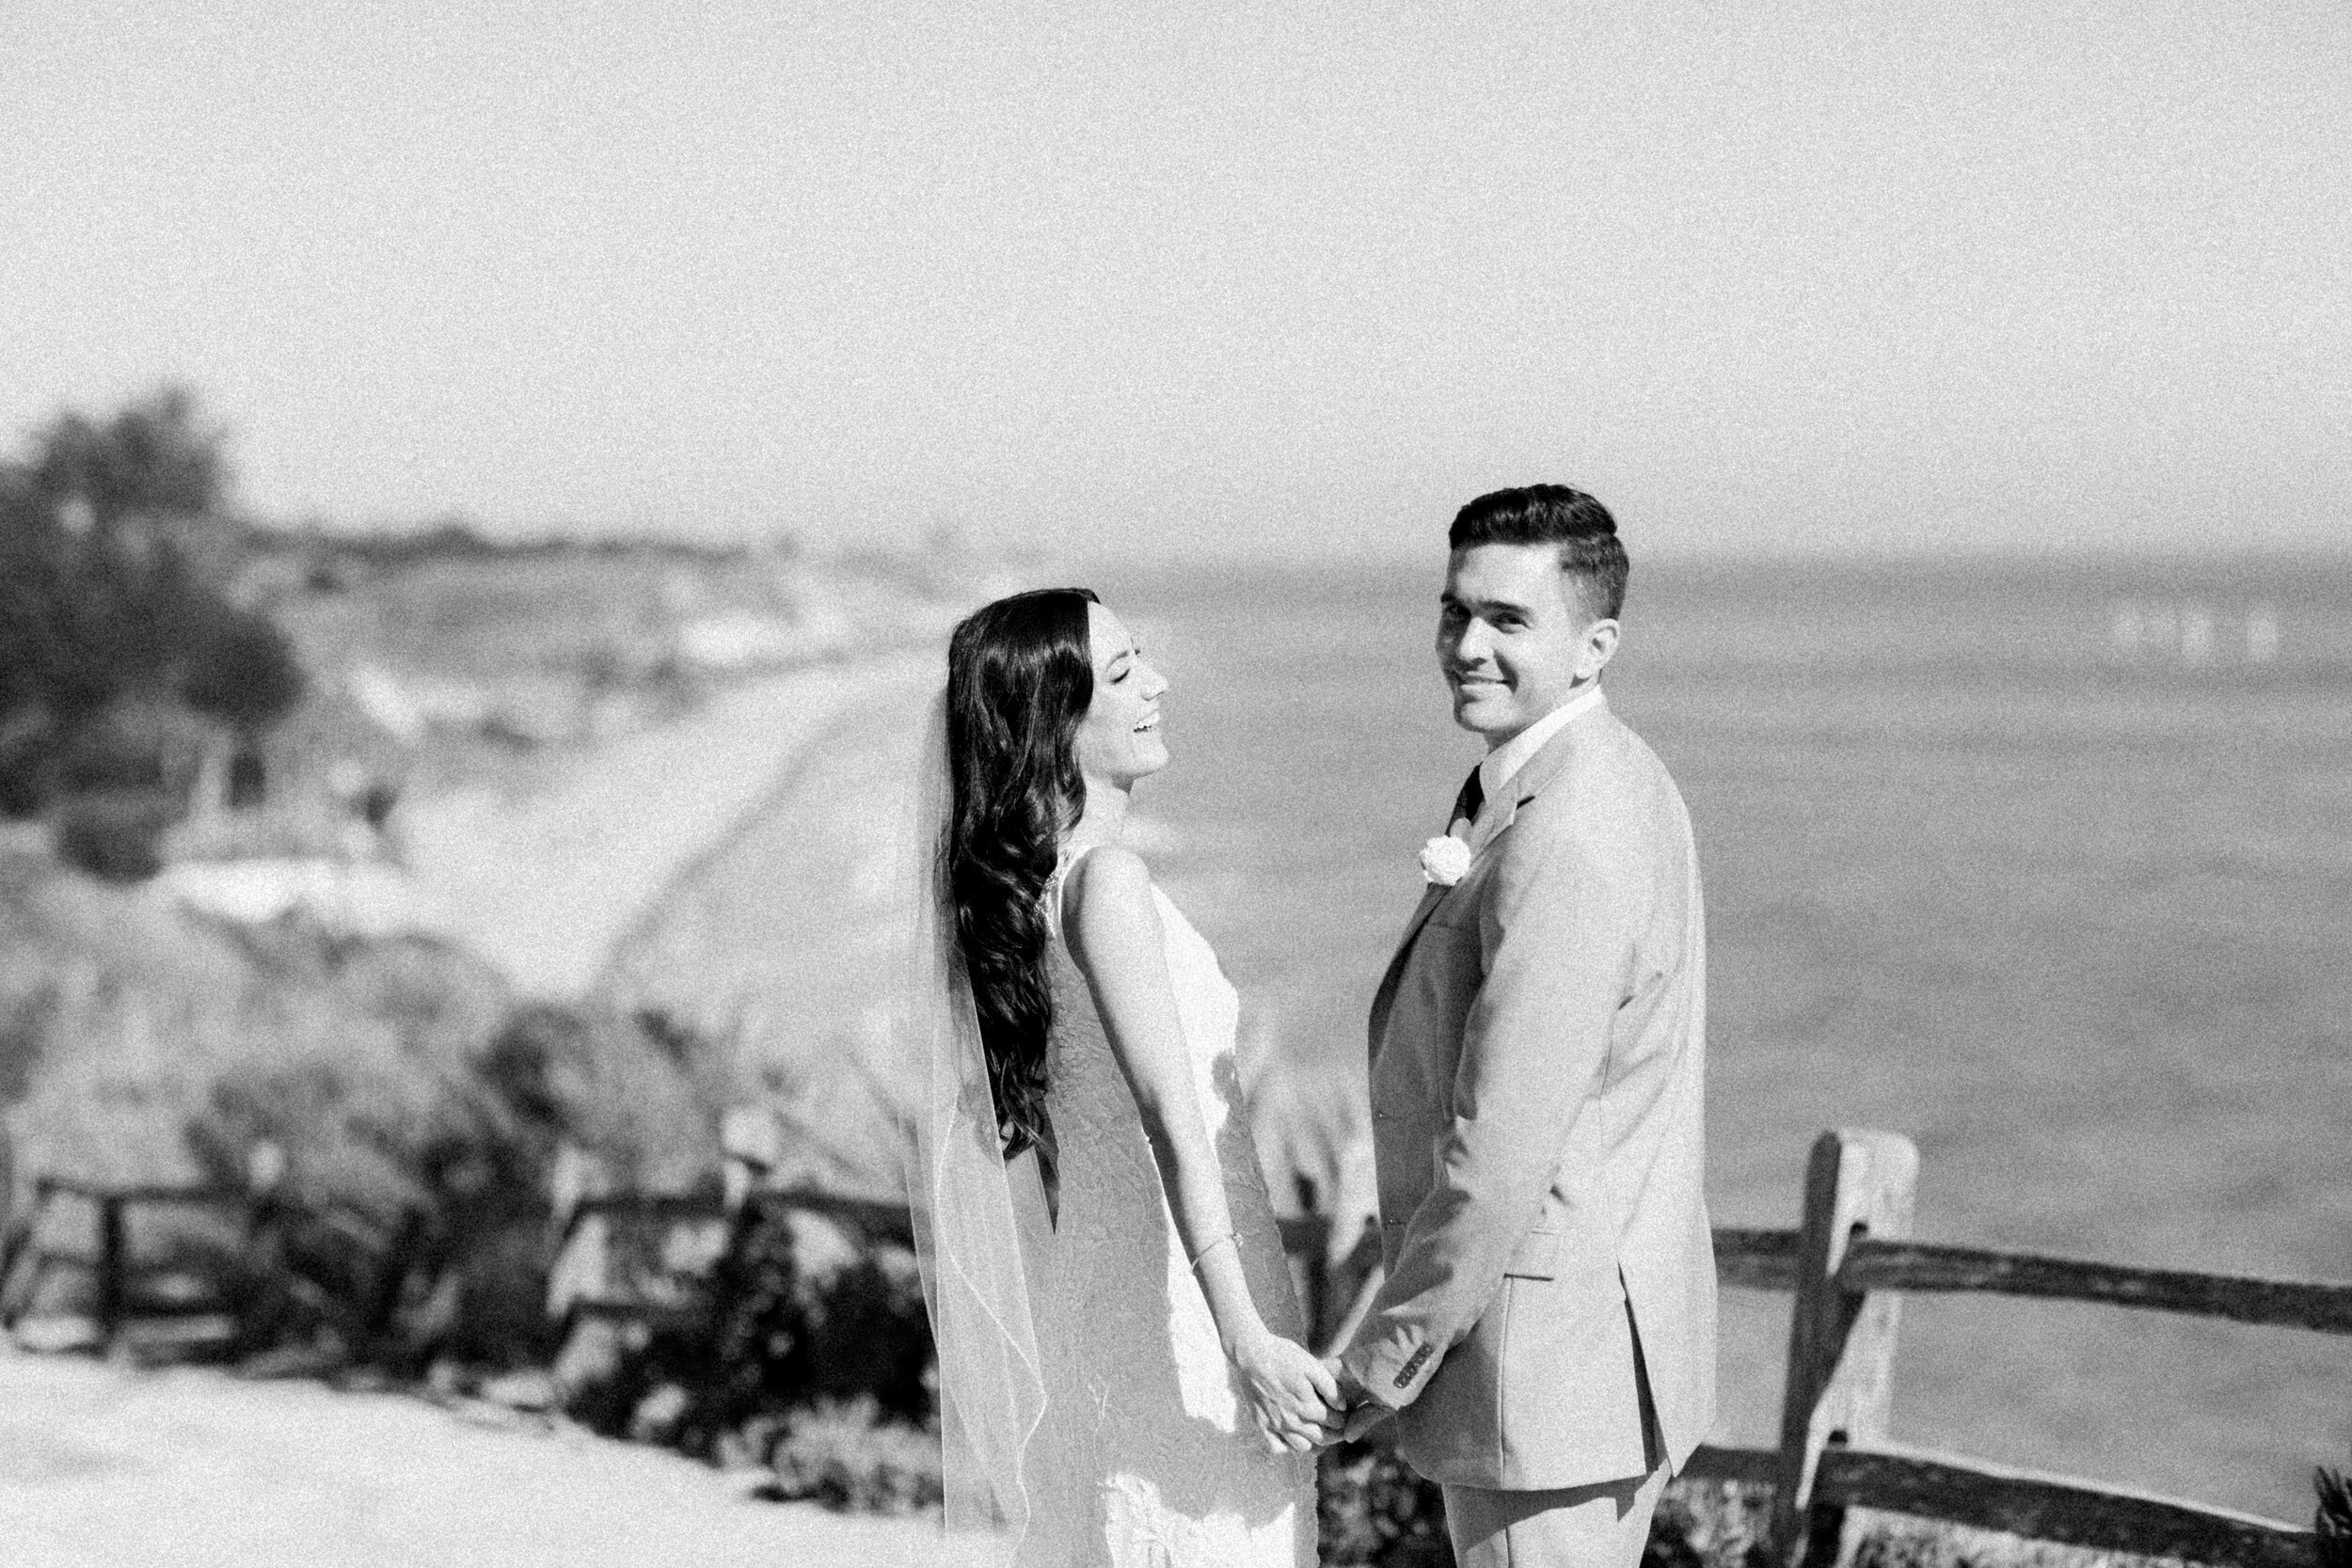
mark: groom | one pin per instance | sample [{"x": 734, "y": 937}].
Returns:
[{"x": 1545, "y": 1332}]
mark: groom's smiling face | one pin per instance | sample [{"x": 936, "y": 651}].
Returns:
[{"x": 1514, "y": 640}]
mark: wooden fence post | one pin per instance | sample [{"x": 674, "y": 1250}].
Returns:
[
  {"x": 22, "y": 1278},
  {"x": 575, "y": 1176},
  {"x": 110, "y": 1268},
  {"x": 580, "y": 1271},
  {"x": 400, "y": 1257},
  {"x": 581, "y": 1263},
  {"x": 14, "y": 1228},
  {"x": 1841, "y": 1345}
]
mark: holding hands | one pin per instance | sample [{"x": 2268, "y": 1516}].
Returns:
[
  {"x": 1362, "y": 1411},
  {"x": 1292, "y": 1395},
  {"x": 1300, "y": 1403}
]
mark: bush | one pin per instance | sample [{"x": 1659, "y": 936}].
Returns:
[
  {"x": 1717, "y": 1524},
  {"x": 808, "y": 1311},
  {"x": 2331, "y": 1524},
  {"x": 240, "y": 669},
  {"x": 803, "y": 1313},
  {"x": 847, "y": 1455},
  {"x": 1374, "y": 1511},
  {"x": 143, "y": 1044},
  {"x": 135, "y": 743},
  {"x": 115, "y": 835},
  {"x": 455, "y": 1113},
  {"x": 24, "y": 770}
]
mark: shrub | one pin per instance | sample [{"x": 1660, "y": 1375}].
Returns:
[
  {"x": 116, "y": 834},
  {"x": 455, "y": 1113},
  {"x": 847, "y": 1455},
  {"x": 142, "y": 1044},
  {"x": 809, "y": 1311},
  {"x": 803, "y": 1313},
  {"x": 1711, "y": 1524},
  {"x": 241, "y": 669},
  {"x": 135, "y": 743},
  {"x": 24, "y": 768},
  {"x": 2332, "y": 1523},
  {"x": 1374, "y": 1511}
]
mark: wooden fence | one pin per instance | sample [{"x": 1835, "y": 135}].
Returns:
[
  {"x": 330, "y": 1261},
  {"x": 634, "y": 1257},
  {"x": 642, "y": 1257},
  {"x": 1849, "y": 1262},
  {"x": 631, "y": 1256}
]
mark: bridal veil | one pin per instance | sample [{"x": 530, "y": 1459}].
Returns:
[{"x": 979, "y": 1220}]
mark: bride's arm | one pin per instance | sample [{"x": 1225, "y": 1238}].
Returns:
[{"x": 1115, "y": 936}]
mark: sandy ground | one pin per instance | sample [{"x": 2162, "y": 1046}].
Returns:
[
  {"x": 102, "y": 1464},
  {"x": 545, "y": 885}
]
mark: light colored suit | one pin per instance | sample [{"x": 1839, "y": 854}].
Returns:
[{"x": 1538, "y": 1045}]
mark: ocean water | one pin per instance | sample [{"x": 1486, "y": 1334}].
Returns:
[{"x": 2047, "y": 867}]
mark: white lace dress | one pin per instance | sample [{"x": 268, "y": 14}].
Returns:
[{"x": 1156, "y": 1462}]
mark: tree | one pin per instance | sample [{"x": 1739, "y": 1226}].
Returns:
[
  {"x": 240, "y": 670},
  {"x": 107, "y": 607},
  {"x": 153, "y": 457}
]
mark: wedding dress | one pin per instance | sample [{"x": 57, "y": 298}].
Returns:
[{"x": 1154, "y": 1460}]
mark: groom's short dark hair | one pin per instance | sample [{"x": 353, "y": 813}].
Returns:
[{"x": 1553, "y": 515}]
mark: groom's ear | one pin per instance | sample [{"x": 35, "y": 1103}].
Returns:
[{"x": 1597, "y": 647}]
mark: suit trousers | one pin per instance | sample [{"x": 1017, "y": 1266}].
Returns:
[{"x": 1603, "y": 1526}]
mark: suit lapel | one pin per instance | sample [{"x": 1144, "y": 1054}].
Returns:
[
  {"x": 1430, "y": 896},
  {"x": 1493, "y": 817},
  {"x": 1381, "y": 999}
]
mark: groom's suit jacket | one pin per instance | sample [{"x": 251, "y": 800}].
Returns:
[{"x": 1538, "y": 1123}]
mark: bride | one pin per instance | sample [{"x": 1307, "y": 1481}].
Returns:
[{"x": 1121, "y": 1377}]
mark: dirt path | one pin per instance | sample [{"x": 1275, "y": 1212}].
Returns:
[{"x": 103, "y": 1466}]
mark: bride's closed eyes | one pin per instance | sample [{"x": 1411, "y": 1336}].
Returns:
[{"x": 1118, "y": 740}]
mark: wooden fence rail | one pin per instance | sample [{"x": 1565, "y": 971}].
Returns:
[
  {"x": 1766, "y": 1260},
  {"x": 1874, "y": 1265},
  {"x": 2052, "y": 1508},
  {"x": 1849, "y": 1262},
  {"x": 115, "y": 1277},
  {"x": 1755, "y": 1260},
  {"x": 275, "y": 1236}
]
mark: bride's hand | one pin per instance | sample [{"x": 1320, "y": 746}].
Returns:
[{"x": 1292, "y": 1395}]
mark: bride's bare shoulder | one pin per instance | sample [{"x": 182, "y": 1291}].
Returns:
[
  {"x": 1108, "y": 897},
  {"x": 1109, "y": 873}
]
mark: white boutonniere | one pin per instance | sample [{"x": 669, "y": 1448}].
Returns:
[{"x": 1444, "y": 860}]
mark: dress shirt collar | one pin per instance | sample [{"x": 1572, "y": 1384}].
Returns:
[{"x": 1496, "y": 771}]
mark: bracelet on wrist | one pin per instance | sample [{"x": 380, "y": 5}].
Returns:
[{"x": 1231, "y": 1238}]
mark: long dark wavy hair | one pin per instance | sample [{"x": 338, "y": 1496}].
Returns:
[{"x": 1020, "y": 677}]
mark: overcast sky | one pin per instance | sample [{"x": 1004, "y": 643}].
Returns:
[{"x": 1196, "y": 277}]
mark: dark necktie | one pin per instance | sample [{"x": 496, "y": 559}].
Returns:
[{"x": 1468, "y": 804}]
